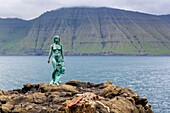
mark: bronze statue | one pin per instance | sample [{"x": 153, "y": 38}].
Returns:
[{"x": 57, "y": 57}]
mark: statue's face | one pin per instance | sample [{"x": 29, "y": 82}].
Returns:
[{"x": 56, "y": 40}]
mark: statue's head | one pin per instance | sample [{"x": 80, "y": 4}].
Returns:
[{"x": 56, "y": 39}]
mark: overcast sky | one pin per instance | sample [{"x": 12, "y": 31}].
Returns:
[{"x": 29, "y": 9}]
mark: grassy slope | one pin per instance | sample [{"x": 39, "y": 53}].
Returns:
[{"x": 11, "y": 32}]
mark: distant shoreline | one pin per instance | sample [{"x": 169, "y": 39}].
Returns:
[{"x": 91, "y": 55}]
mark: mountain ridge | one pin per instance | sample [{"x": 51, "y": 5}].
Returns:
[{"x": 88, "y": 31}]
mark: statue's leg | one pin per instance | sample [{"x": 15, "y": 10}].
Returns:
[
  {"x": 54, "y": 63},
  {"x": 58, "y": 70},
  {"x": 57, "y": 77}
]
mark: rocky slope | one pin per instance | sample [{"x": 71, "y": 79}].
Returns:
[
  {"x": 73, "y": 97},
  {"x": 88, "y": 31}
]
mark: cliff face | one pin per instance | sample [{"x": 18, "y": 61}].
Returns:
[
  {"x": 95, "y": 31},
  {"x": 12, "y": 31},
  {"x": 73, "y": 97}
]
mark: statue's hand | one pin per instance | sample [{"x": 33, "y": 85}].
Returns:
[{"x": 48, "y": 61}]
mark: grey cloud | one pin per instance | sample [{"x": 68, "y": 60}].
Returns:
[
  {"x": 148, "y": 6},
  {"x": 28, "y": 9}
]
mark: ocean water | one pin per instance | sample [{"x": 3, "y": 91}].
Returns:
[{"x": 147, "y": 76}]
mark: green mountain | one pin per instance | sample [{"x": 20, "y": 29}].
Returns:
[{"x": 88, "y": 31}]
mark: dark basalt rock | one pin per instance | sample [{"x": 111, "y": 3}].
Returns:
[{"x": 73, "y": 97}]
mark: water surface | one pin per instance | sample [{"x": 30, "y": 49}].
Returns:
[{"x": 147, "y": 76}]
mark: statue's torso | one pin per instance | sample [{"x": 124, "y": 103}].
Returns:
[{"x": 56, "y": 49}]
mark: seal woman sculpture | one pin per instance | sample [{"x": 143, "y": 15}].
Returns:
[{"x": 57, "y": 57}]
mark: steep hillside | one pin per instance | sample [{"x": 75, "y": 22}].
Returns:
[
  {"x": 89, "y": 31},
  {"x": 12, "y": 31},
  {"x": 165, "y": 18}
]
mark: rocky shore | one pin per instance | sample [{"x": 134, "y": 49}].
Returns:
[{"x": 73, "y": 97}]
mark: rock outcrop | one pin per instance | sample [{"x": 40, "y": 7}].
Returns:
[{"x": 73, "y": 97}]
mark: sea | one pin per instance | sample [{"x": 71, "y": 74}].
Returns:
[{"x": 147, "y": 76}]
